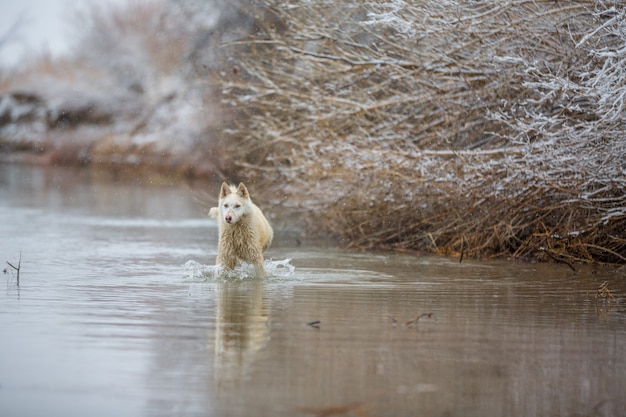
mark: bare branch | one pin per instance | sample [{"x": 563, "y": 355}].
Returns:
[{"x": 487, "y": 127}]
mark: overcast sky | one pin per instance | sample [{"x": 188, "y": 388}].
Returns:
[{"x": 45, "y": 26}]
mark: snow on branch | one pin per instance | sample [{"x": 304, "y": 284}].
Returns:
[{"x": 484, "y": 124}]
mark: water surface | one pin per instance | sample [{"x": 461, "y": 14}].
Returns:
[{"x": 110, "y": 318}]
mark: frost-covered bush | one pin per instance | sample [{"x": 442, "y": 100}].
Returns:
[{"x": 487, "y": 128}]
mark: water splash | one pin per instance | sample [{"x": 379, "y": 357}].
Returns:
[
  {"x": 280, "y": 268},
  {"x": 196, "y": 271}
]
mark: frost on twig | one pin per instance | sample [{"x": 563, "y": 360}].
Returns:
[{"x": 493, "y": 126}]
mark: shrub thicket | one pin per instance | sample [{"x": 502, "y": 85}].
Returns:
[{"x": 485, "y": 128}]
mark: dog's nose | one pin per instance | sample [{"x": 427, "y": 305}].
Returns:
[{"x": 229, "y": 218}]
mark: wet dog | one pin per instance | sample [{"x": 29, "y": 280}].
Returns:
[{"x": 244, "y": 232}]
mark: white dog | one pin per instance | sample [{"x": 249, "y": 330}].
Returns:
[{"x": 244, "y": 232}]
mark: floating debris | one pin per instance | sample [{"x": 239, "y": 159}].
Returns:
[
  {"x": 604, "y": 292},
  {"x": 314, "y": 323},
  {"x": 16, "y": 268},
  {"x": 415, "y": 319},
  {"x": 394, "y": 321}
]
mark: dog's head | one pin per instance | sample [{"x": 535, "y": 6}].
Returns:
[{"x": 234, "y": 202}]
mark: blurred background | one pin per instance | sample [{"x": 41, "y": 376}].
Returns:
[
  {"x": 108, "y": 83},
  {"x": 32, "y": 27}
]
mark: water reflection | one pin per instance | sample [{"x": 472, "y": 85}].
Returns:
[
  {"x": 494, "y": 352},
  {"x": 241, "y": 330}
]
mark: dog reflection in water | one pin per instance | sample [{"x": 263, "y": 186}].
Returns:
[{"x": 241, "y": 329}]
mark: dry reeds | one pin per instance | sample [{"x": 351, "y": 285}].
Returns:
[{"x": 485, "y": 128}]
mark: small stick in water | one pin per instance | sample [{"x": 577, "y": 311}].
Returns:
[
  {"x": 604, "y": 292},
  {"x": 410, "y": 322},
  {"x": 19, "y": 265},
  {"x": 556, "y": 259},
  {"x": 314, "y": 323}
]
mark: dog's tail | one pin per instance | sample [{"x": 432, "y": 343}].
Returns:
[{"x": 214, "y": 212}]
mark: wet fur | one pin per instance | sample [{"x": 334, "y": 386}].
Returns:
[{"x": 244, "y": 232}]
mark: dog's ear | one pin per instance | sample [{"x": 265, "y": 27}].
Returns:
[
  {"x": 225, "y": 190},
  {"x": 242, "y": 190}
]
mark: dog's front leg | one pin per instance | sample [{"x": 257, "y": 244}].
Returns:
[
  {"x": 259, "y": 269},
  {"x": 225, "y": 263}
]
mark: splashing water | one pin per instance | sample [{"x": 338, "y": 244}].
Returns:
[{"x": 200, "y": 272}]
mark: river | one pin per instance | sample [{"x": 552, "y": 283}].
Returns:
[{"x": 117, "y": 313}]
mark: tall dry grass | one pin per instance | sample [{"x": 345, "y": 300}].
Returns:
[{"x": 489, "y": 128}]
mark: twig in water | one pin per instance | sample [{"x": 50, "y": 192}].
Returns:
[
  {"x": 315, "y": 324},
  {"x": 17, "y": 268},
  {"x": 415, "y": 319},
  {"x": 604, "y": 292},
  {"x": 554, "y": 258}
]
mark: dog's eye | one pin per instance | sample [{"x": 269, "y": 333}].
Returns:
[
  {"x": 237, "y": 205},
  {"x": 226, "y": 205}
]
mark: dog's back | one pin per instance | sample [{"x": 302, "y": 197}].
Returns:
[{"x": 266, "y": 234}]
